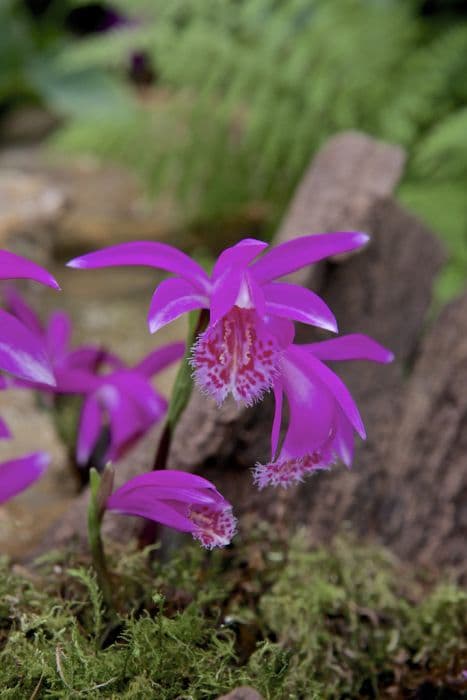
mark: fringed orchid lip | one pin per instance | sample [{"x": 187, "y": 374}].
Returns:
[{"x": 180, "y": 500}]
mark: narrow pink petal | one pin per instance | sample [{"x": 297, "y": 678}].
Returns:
[
  {"x": 89, "y": 429},
  {"x": 311, "y": 405},
  {"x": 4, "y": 430},
  {"x": 22, "y": 353},
  {"x": 146, "y": 253},
  {"x": 75, "y": 381},
  {"x": 224, "y": 293},
  {"x": 157, "y": 360},
  {"x": 17, "y": 474},
  {"x": 19, "y": 307},
  {"x": 91, "y": 358},
  {"x": 239, "y": 255},
  {"x": 305, "y": 250},
  {"x": 298, "y": 304},
  {"x": 343, "y": 442},
  {"x": 340, "y": 393},
  {"x": 170, "y": 478},
  {"x": 354, "y": 346},
  {"x": 16, "y": 267},
  {"x": 172, "y": 298},
  {"x": 58, "y": 334},
  {"x": 277, "y": 421}
]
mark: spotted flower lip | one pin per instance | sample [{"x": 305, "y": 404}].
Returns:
[
  {"x": 239, "y": 352},
  {"x": 123, "y": 400},
  {"x": 323, "y": 416},
  {"x": 180, "y": 500},
  {"x": 17, "y": 474}
]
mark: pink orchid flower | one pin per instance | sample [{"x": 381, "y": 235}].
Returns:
[
  {"x": 323, "y": 416},
  {"x": 17, "y": 474},
  {"x": 55, "y": 337},
  {"x": 240, "y": 351},
  {"x": 123, "y": 400},
  {"x": 22, "y": 354},
  {"x": 180, "y": 500}
]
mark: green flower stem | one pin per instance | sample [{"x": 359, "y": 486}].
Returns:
[{"x": 100, "y": 488}]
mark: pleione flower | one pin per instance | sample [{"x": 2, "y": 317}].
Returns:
[
  {"x": 17, "y": 474},
  {"x": 124, "y": 401},
  {"x": 251, "y": 313},
  {"x": 323, "y": 417},
  {"x": 180, "y": 500},
  {"x": 22, "y": 354},
  {"x": 55, "y": 337}
]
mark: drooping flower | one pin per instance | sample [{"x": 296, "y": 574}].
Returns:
[
  {"x": 22, "y": 354},
  {"x": 323, "y": 416},
  {"x": 181, "y": 500},
  {"x": 17, "y": 474},
  {"x": 239, "y": 353},
  {"x": 123, "y": 400}
]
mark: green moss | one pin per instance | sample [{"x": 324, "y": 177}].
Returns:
[{"x": 290, "y": 621}]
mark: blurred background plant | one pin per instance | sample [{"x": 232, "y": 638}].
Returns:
[{"x": 221, "y": 105}]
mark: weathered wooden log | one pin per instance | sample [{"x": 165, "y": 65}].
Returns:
[{"x": 407, "y": 488}]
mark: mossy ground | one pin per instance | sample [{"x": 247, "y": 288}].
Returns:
[{"x": 342, "y": 622}]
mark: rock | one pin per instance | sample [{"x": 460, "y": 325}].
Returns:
[
  {"x": 25, "y": 519},
  {"x": 244, "y": 692},
  {"x": 105, "y": 204},
  {"x": 30, "y": 208}
]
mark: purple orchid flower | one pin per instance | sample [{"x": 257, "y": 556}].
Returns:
[
  {"x": 22, "y": 354},
  {"x": 124, "y": 400},
  {"x": 183, "y": 501},
  {"x": 55, "y": 337},
  {"x": 17, "y": 474},
  {"x": 323, "y": 416},
  {"x": 250, "y": 313}
]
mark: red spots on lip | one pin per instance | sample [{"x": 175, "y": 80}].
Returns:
[
  {"x": 286, "y": 472},
  {"x": 237, "y": 355},
  {"x": 213, "y": 527}
]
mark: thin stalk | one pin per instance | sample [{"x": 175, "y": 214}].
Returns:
[{"x": 96, "y": 510}]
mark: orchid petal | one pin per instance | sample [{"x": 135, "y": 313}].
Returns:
[
  {"x": 89, "y": 429},
  {"x": 4, "y": 430},
  {"x": 169, "y": 478},
  {"x": 239, "y": 255},
  {"x": 311, "y": 405},
  {"x": 354, "y": 346},
  {"x": 58, "y": 334},
  {"x": 17, "y": 474},
  {"x": 344, "y": 442},
  {"x": 146, "y": 253},
  {"x": 224, "y": 293},
  {"x": 75, "y": 381},
  {"x": 340, "y": 393},
  {"x": 277, "y": 421},
  {"x": 298, "y": 304},
  {"x": 157, "y": 360},
  {"x": 305, "y": 250},
  {"x": 172, "y": 298},
  {"x": 22, "y": 353},
  {"x": 16, "y": 267},
  {"x": 18, "y": 306}
]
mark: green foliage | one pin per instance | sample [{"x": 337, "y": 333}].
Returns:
[
  {"x": 247, "y": 91},
  {"x": 291, "y": 622}
]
